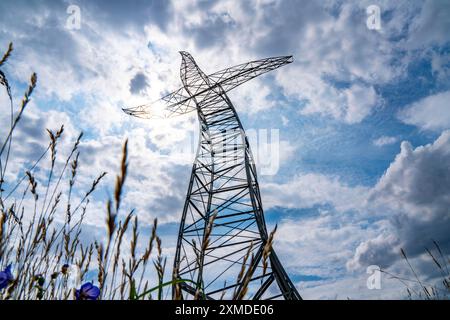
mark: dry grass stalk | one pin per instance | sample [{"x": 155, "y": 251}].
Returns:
[
  {"x": 243, "y": 273},
  {"x": 200, "y": 254},
  {"x": 268, "y": 249},
  {"x": 7, "y": 54},
  {"x": 44, "y": 250}
]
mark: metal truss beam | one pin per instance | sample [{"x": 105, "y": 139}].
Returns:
[{"x": 223, "y": 184}]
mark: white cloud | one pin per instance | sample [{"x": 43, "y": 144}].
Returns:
[
  {"x": 384, "y": 140},
  {"x": 353, "y": 288},
  {"x": 429, "y": 113},
  {"x": 360, "y": 102},
  {"x": 351, "y": 105},
  {"x": 311, "y": 243},
  {"x": 413, "y": 195},
  {"x": 430, "y": 26},
  {"x": 417, "y": 181},
  {"x": 310, "y": 189},
  {"x": 252, "y": 97},
  {"x": 407, "y": 208},
  {"x": 381, "y": 251},
  {"x": 322, "y": 247}
]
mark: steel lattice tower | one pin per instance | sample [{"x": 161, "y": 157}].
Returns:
[{"x": 222, "y": 233}]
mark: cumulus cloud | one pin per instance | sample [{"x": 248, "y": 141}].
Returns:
[
  {"x": 413, "y": 195},
  {"x": 380, "y": 251},
  {"x": 429, "y": 113},
  {"x": 418, "y": 179},
  {"x": 344, "y": 50},
  {"x": 407, "y": 208}
]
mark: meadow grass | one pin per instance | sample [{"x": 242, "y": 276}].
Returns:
[
  {"x": 43, "y": 251},
  {"x": 420, "y": 289},
  {"x": 50, "y": 258}
]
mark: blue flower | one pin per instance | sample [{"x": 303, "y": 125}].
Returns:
[
  {"x": 6, "y": 277},
  {"x": 87, "y": 292}
]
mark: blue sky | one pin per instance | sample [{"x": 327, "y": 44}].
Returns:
[{"x": 362, "y": 115}]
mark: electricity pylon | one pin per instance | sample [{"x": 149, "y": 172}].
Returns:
[{"x": 223, "y": 247}]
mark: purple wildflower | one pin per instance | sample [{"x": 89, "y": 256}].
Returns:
[
  {"x": 6, "y": 277},
  {"x": 87, "y": 292}
]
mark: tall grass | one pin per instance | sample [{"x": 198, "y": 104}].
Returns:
[
  {"x": 416, "y": 286},
  {"x": 49, "y": 255}
]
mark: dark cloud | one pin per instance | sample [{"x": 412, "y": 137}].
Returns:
[
  {"x": 116, "y": 13},
  {"x": 42, "y": 42},
  {"x": 287, "y": 22},
  {"x": 212, "y": 31},
  {"x": 139, "y": 83},
  {"x": 32, "y": 25},
  {"x": 131, "y": 13}
]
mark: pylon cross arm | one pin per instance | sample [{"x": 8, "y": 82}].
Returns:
[{"x": 179, "y": 102}]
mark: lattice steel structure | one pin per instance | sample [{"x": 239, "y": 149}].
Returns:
[{"x": 222, "y": 234}]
